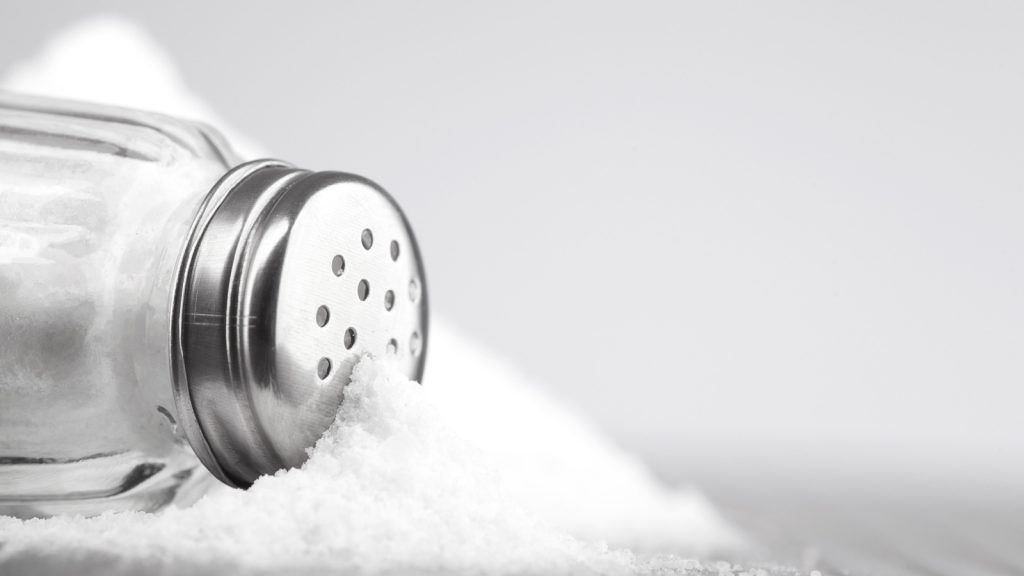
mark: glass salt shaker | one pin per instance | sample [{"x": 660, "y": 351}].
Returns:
[{"x": 166, "y": 308}]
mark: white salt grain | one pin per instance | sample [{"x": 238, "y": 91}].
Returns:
[
  {"x": 389, "y": 487},
  {"x": 392, "y": 486},
  {"x": 559, "y": 465}
]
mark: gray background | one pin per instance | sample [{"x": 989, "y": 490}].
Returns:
[{"x": 759, "y": 244}]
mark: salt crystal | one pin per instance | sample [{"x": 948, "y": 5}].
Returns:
[
  {"x": 395, "y": 484},
  {"x": 391, "y": 486},
  {"x": 407, "y": 478}
]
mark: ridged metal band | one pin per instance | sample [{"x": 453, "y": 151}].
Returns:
[{"x": 186, "y": 269}]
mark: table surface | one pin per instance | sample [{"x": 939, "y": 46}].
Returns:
[{"x": 840, "y": 527}]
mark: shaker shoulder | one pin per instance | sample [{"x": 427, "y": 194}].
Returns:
[{"x": 109, "y": 130}]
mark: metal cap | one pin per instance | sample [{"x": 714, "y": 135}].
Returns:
[{"x": 287, "y": 278}]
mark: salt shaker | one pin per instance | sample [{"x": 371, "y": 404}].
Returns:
[{"x": 167, "y": 310}]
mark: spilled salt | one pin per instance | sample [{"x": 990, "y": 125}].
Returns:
[
  {"x": 389, "y": 487},
  {"x": 407, "y": 478}
]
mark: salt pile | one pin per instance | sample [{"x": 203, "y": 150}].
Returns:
[
  {"x": 476, "y": 471},
  {"x": 390, "y": 487},
  {"x": 397, "y": 485}
]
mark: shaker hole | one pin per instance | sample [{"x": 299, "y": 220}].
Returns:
[
  {"x": 323, "y": 368},
  {"x": 338, "y": 265},
  {"x": 392, "y": 346},
  {"x": 389, "y": 300},
  {"x": 364, "y": 289},
  {"x": 367, "y": 238},
  {"x": 323, "y": 314},
  {"x": 394, "y": 250},
  {"x": 414, "y": 290},
  {"x": 350, "y": 338},
  {"x": 415, "y": 343}
]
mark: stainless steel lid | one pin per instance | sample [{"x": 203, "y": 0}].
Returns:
[{"x": 288, "y": 277}]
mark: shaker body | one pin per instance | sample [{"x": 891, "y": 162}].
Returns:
[
  {"x": 169, "y": 315},
  {"x": 95, "y": 206}
]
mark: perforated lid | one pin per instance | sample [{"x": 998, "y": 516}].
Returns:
[{"x": 289, "y": 276}]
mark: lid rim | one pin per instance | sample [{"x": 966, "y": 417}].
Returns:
[{"x": 184, "y": 300}]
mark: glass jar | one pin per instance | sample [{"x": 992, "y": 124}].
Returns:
[{"x": 168, "y": 311}]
